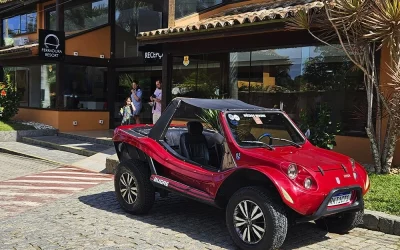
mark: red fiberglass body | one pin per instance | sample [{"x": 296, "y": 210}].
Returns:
[{"x": 308, "y": 179}]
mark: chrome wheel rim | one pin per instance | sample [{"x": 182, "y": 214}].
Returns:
[
  {"x": 128, "y": 188},
  {"x": 249, "y": 222}
]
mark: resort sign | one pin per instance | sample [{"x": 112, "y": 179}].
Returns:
[
  {"x": 51, "y": 45},
  {"x": 150, "y": 57}
]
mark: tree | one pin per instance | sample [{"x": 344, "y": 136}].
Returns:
[
  {"x": 9, "y": 100},
  {"x": 362, "y": 27}
]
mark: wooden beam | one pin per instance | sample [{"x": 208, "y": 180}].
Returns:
[{"x": 171, "y": 12}]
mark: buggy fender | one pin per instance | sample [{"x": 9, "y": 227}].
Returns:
[{"x": 291, "y": 194}]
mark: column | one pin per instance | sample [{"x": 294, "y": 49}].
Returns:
[
  {"x": 60, "y": 66},
  {"x": 167, "y": 66},
  {"x": 112, "y": 80}
]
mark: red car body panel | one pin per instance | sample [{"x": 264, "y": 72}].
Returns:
[{"x": 328, "y": 170}]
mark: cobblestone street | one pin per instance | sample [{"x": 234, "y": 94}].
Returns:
[
  {"x": 12, "y": 166},
  {"x": 92, "y": 219}
]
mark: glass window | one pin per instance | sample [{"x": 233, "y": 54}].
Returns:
[
  {"x": 85, "y": 87},
  {"x": 187, "y": 7},
  {"x": 300, "y": 78},
  {"x": 85, "y": 16},
  {"x": 18, "y": 25},
  {"x": 51, "y": 17},
  {"x": 132, "y": 17},
  {"x": 196, "y": 76},
  {"x": 199, "y": 78},
  {"x": 35, "y": 83}
]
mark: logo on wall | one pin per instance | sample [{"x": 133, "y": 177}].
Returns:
[
  {"x": 186, "y": 60},
  {"x": 152, "y": 57},
  {"x": 51, "y": 45}
]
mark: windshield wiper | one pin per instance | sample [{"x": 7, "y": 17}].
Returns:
[
  {"x": 262, "y": 143},
  {"x": 286, "y": 140}
]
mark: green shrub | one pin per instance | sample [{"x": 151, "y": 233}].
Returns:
[
  {"x": 9, "y": 101},
  {"x": 321, "y": 129}
]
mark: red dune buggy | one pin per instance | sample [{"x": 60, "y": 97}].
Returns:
[{"x": 252, "y": 161}]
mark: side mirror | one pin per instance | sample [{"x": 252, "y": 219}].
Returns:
[{"x": 307, "y": 133}]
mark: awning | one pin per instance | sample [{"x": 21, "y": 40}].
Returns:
[
  {"x": 28, "y": 48},
  {"x": 252, "y": 13}
]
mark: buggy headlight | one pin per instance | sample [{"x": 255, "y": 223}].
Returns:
[
  {"x": 307, "y": 183},
  {"x": 292, "y": 171}
]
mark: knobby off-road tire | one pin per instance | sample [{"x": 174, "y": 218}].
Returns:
[
  {"x": 341, "y": 223},
  {"x": 139, "y": 197},
  {"x": 269, "y": 235}
]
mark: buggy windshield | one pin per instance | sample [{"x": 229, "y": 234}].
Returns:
[{"x": 263, "y": 129}]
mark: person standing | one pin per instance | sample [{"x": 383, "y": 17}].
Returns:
[
  {"x": 127, "y": 111},
  {"x": 136, "y": 97},
  {"x": 156, "y": 99}
]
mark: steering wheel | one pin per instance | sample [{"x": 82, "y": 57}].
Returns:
[{"x": 266, "y": 135}]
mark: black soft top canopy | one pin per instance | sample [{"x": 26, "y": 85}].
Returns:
[
  {"x": 160, "y": 128},
  {"x": 219, "y": 104}
]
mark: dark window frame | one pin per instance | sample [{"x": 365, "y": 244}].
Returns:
[
  {"x": 74, "y": 4},
  {"x": 21, "y": 13},
  {"x": 48, "y": 9},
  {"x": 223, "y": 3}
]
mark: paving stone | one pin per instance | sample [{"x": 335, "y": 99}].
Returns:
[{"x": 12, "y": 166}]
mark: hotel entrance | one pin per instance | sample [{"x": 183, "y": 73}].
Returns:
[{"x": 146, "y": 77}]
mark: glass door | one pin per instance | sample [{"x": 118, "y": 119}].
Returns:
[{"x": 146, "y": 77}]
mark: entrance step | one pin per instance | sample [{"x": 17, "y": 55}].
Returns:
[
  {"x": 97, "y": 162},
  {"x": 80, "y": 147},
  {"x": 42, "y": 153},
  {"x": 104, "y": 138}
]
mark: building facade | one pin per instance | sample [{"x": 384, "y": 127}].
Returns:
[
  {"x": 244, "y": 50},
  {"x": 85, "y": 90},
  {"x": 238, "y": 49}
]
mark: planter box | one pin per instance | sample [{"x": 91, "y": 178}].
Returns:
[{"x": 13, "y": 136}]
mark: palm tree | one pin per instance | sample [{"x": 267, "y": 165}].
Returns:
[{"x": 361, "y": 27}]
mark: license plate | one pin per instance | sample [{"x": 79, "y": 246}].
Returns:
[{"x": 339, "y": 199}]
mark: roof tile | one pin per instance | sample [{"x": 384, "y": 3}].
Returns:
[{"x": 251, "y": 13}]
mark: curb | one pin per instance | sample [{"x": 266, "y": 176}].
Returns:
[
  {"x": 111, "y": 163},
  {"x": 12, "y": 152},
  {"x": 381, "y": 222},
  {"x": 88, "y": 139},
  {"x": 70, "y": 149}
]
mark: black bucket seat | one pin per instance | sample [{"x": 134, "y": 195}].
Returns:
[{"x": 193, "y": 144}]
